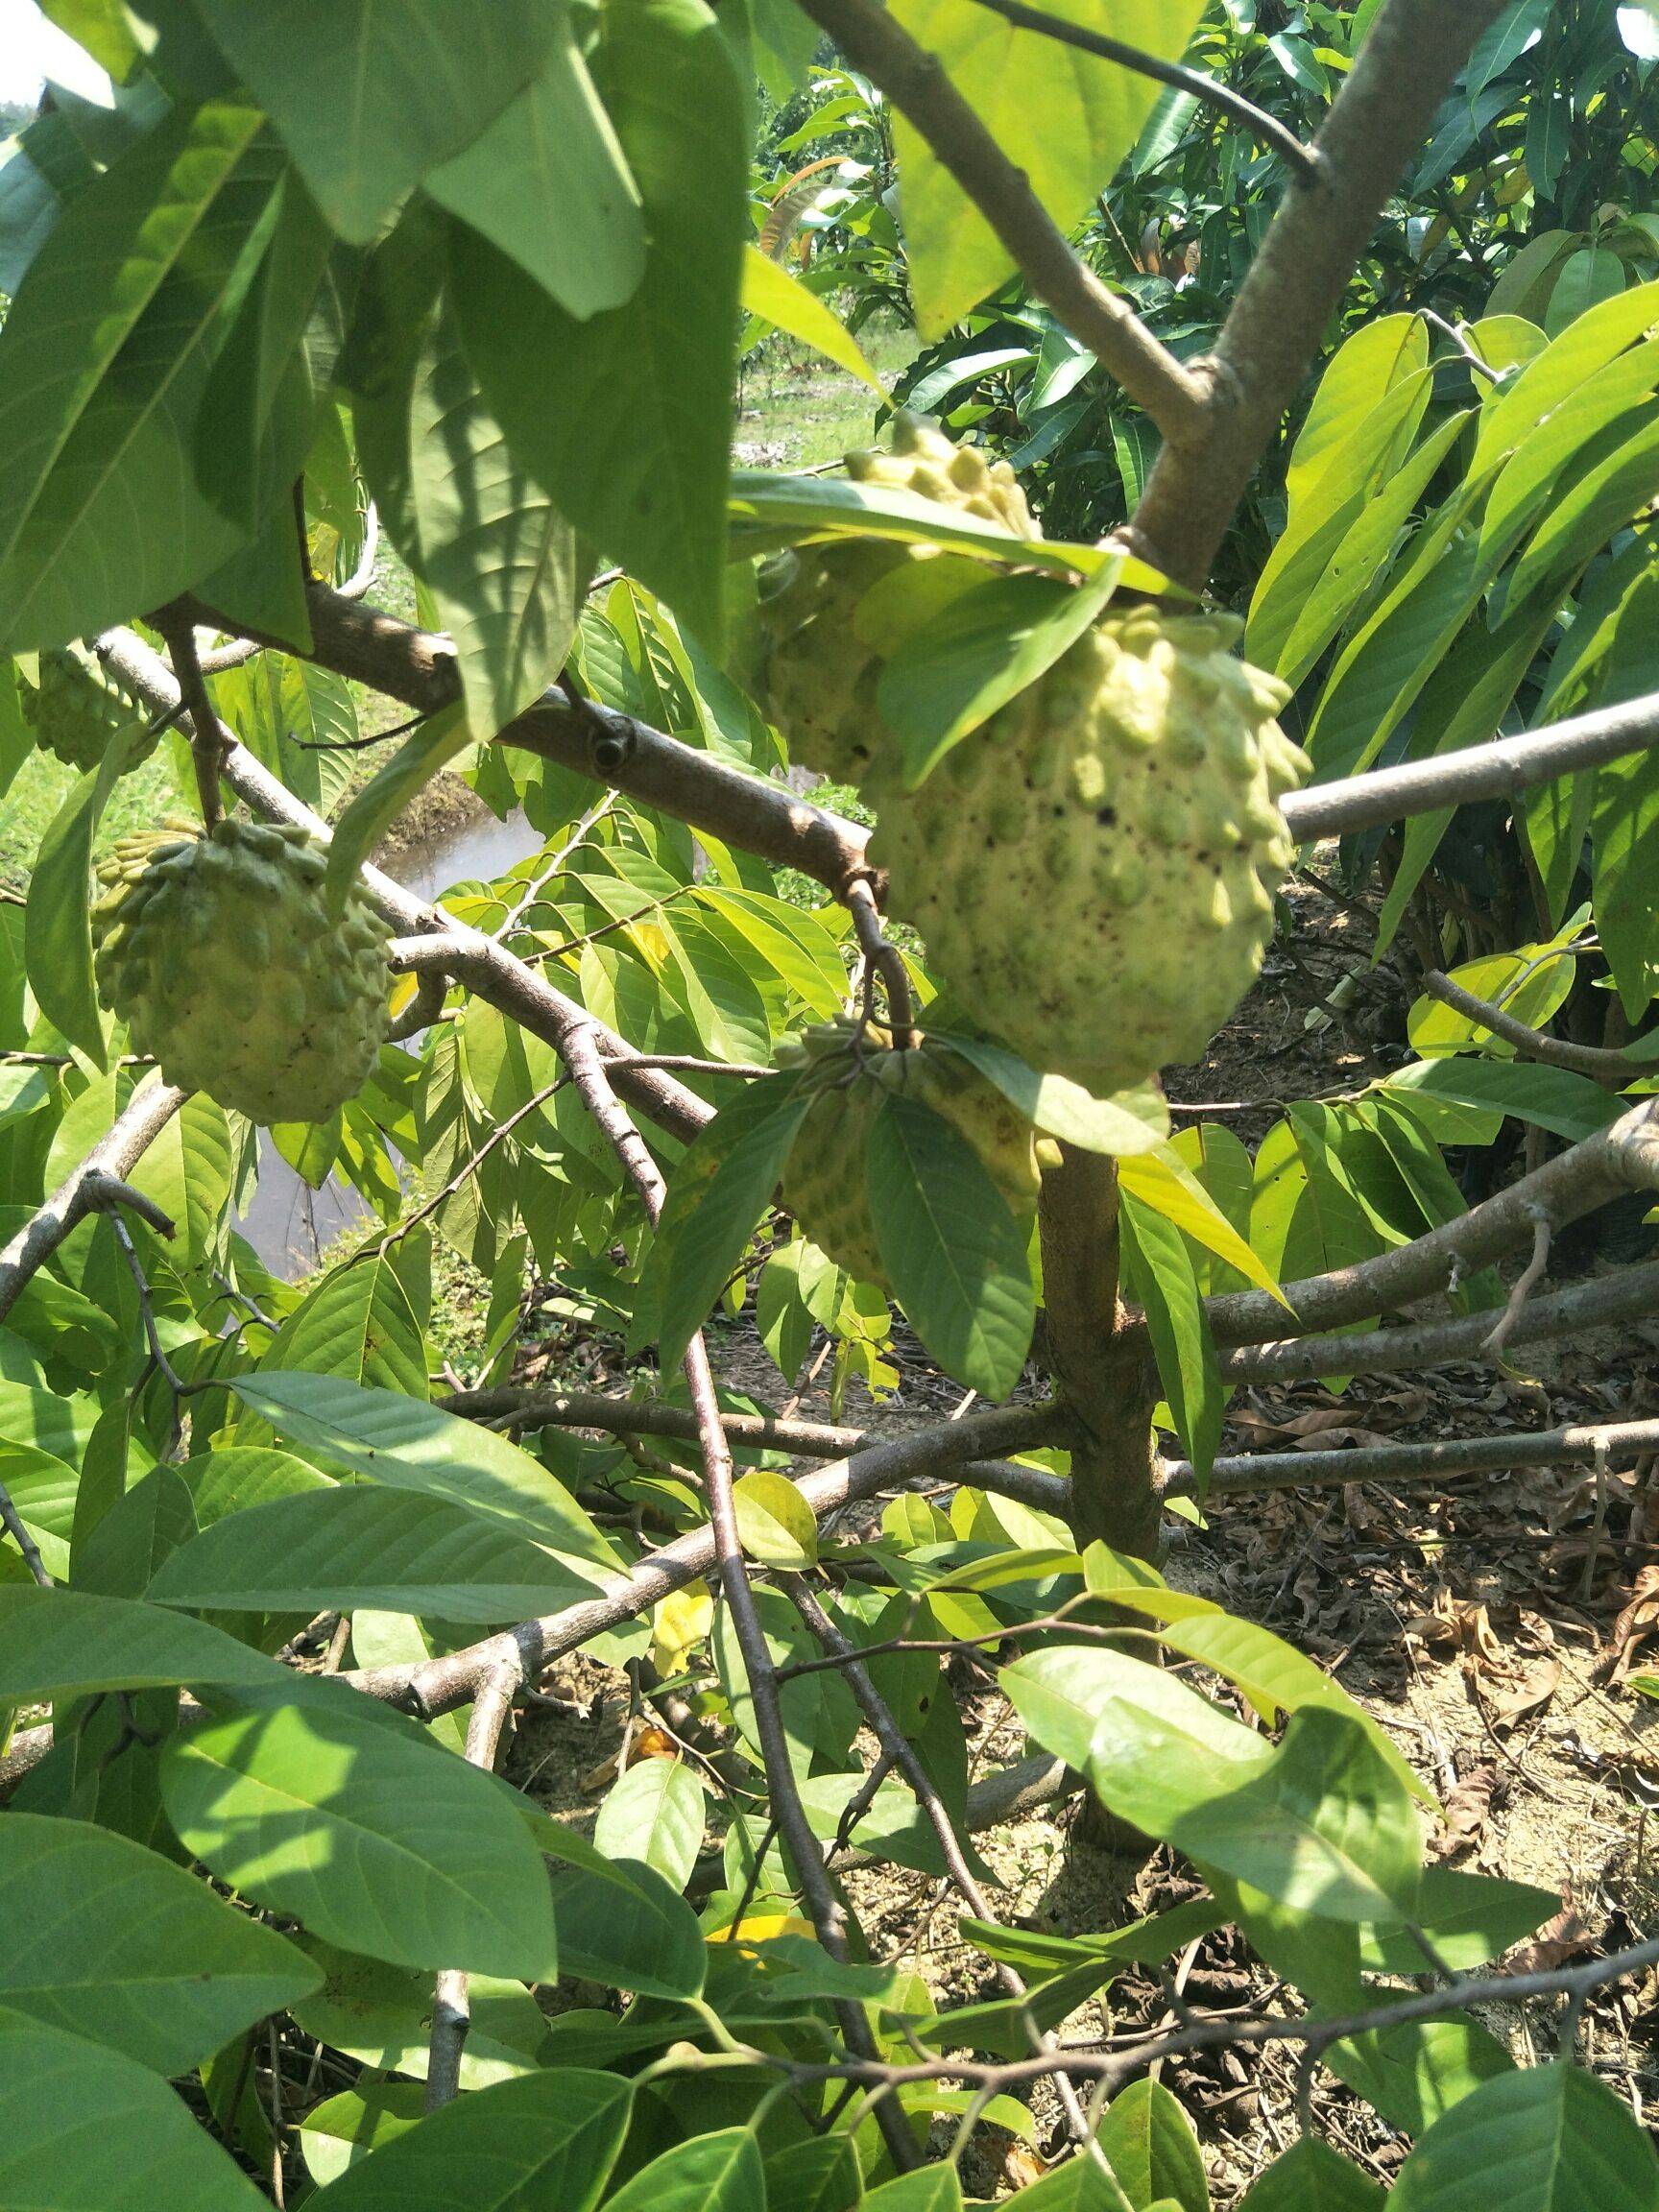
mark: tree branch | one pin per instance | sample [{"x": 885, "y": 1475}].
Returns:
[
  {"x": 1175, "y": 74},
  {"x": 1498, "y": 770},
  {"x": 1622, "y": 1157},
  {"x": 1630, "y": 1295},
  {"x": 1389, "y": 1464},
  {"x": 451, "y": 2009},
  {"x": 1605, "y": 1065},
  {"x": 915, "y": 81},
  {"x": 1376, "y": 122},
  {"x": 146, "y": 1114}
]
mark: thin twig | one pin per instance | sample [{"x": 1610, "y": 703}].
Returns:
[
  {"x": 1303, "y": 159},
  {"x": 207, "y": 739},
  {"x": 451, "y": 2011},
  {"x": 11, "y": 1520},
  {"x": 1524, "y": 1283}
]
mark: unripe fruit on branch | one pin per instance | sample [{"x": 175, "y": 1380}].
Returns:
[
  {"x": 817, "y": 680},
  {"x": 222, "y": 957},
  {"x": 1093, "y": 868},
  {"x": 852, "y": 1065},
  {"x": 77, "y": 711}
]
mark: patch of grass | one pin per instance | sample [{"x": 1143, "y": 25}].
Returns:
[{"x": 799, "y": 411}]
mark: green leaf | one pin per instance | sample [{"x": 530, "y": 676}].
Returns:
[
  {"x": 655, "y": 1813},
  {"x": 1550, "y": 2139},
  {"x": 355, "y": 1323},
  {"x": 1150, "y": 2147},
  {"x": 549, "y": 2139},
  {"x": 1161, "y": 1277},
  {"x": 929, "y": 2189},
  {"x": 621, "y": 1922},
  {"x": 1065, "y": 1694},
  {"x": 1065, "y": 119},
  {"x": 771, "y": 293},
  {"x": 548, "y": 183},
  {"x": 1127, "y": 1122},
  {"x": 382, "y": 2016},
  {"x": 775, "y": 1523},
  {"x": 1469, "y": 1918},
  {"x": 1414, "y": 2072},
  {"x": 1311, "y": 2178},
  {"x": 624, "y": 419},
  {"x": 83, "y": 2130},
  {"x": 717, "y": 1192},
  {"x": 389, "y": 791},
  {"x": 107, "y": 1941},
  {"x": 371, "y": 94},
  {"x": 374, "y": 1836},
  {"x": 60, "y": 1643},
  {"x": 342, "y": 2130},
  {"x": 716, "y": 2173},
  {"x": 104, "y": 358},
  {"x": 1624, "y": 835},
  {"x": 56, "y": 922},
  {"x": 951, "y": 1243},
  {"x": 410, "y": 1445},
  {"x": 1569, "y": 1104},
  {"x": 987, "y": 644},
  {"x": 395, "y": 1550}
]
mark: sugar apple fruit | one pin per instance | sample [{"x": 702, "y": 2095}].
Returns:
[
  {"x": 1093, "y": 869},
  {"x": 850, "y": 1066},
  {"x": 220, "y": 954},
  {"x": 818, "y": 682},
  {"x": 77, "y": 709}
]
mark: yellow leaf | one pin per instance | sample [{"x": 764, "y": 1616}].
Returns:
[
  {"x": 784, "y": 301},
  {"x": 1162, "y": 1181}
]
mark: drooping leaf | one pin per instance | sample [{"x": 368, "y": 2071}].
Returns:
[{"x": 1151, "y": 2149}]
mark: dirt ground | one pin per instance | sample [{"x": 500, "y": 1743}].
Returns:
[{"x": 1490, "y": 1623}]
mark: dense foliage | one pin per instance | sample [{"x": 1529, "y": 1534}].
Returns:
[{"x": 277, "y": 1571}]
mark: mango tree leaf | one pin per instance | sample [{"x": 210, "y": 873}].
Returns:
[
  {"x": 371, "y": 94},
  {"x": 624, "y": 419},
  {"x": 1065, "y": 118},
  {"x": 104, "y": 1938},
  {"x": 655, "y": 1813},
  {"x": 353, "y": 1545},
  {"x": 952, "y": 1245},
  {"x": 549, "y": 184},
  {"x": 550, "y": 2138},
  {"x": 374, "y": 1836},
  {"x": 410, "y": 1445},
  {"x": 85, "y": 2129},
  {"x": 1548, "y": 2139}
]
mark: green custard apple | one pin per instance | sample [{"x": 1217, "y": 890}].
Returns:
[
  {"x": 220, "y": 954},
  {"x": 817, "y": 680},
  {"x": 852, "y": 1067},
  {"x": 77, "y": 709},
  {"x": 1093, "y": 869}
]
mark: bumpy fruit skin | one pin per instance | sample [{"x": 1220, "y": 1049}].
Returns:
[
  {"x": 221, "y": 956},
  {"x": 824, "y": 1181},
  {"x": 1093, "y": 870},
  {"x": 817, "y": 680},
  {"x": 77, "y": 711}
]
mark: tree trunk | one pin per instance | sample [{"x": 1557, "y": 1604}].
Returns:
[{"x": 1110, "y": 1389}]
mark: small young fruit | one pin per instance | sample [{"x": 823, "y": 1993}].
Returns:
[
  {"x": 826, "y": 1185},
  {"x": 1093, "y": 869},
  {"x": 77, "y": 711},
  {"x": 220, "y": 954},
  {"x": 817, "y": 680}
]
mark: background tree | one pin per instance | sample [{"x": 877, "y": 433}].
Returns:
[{"x": 480, "y": 285}]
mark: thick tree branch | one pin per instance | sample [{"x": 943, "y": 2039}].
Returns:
[
  {"x": 766, "y": 818},
  {"x": 1594, "y": 1060},
  {"x": 1499, "y": 769},
  {"x": 146, "y": 1114},
  {"x": 916, "y": 82},
  {"x": 1377, "y": 122},
  {"x": 1387, "y": 1464},
  {"x": 1622, "y": 1157},
  {"x": 1630, "y": 1295}
]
